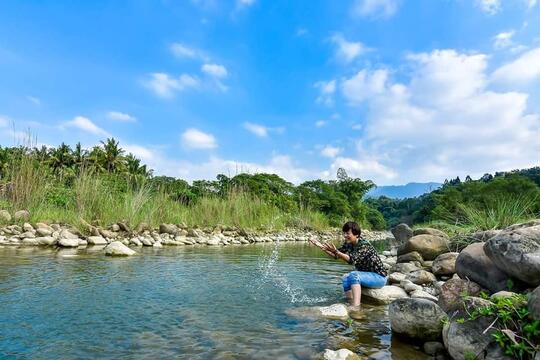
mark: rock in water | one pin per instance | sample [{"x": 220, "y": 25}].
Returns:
[
  {"x": 341, "y": 354},
  {"x": 429, "y": 246},
  {"x": 416, "y": 318},
  {"x": 335, "y": 311},
  {"x": 517, "y": 253},
  {"x": 68, "y": 242},
  {"x": 402, "y": 233},
  {"x": 534, "y": 304},
  {"x": 445, "y": 264},
  {"x": 473, "y": 263},
  {"x": 384, "y": 295},
  {"x": 116, "y": 248}
]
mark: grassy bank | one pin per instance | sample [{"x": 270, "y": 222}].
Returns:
[{"x": 103, "y": 198}]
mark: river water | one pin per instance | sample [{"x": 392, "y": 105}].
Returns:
[{"x": 200, "y": 302}]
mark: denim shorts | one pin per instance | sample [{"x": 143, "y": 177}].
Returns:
[{"x": 365, "y": 279}]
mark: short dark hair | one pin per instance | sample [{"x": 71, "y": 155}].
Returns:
[{"x": 353, "y": 226}]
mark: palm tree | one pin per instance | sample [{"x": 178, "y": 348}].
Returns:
[
  {"x": 113, "y": 159},
  {"x": 61, "y": 157}
]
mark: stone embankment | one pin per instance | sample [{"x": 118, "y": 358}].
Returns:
[
  {"x": 433, "y": 291},
  {"x": 120, "y": 240}
]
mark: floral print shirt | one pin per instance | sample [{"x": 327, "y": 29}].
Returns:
[{"x": 364, "y": 257}]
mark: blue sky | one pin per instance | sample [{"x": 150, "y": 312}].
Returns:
[{"x": 391, "y": 90}]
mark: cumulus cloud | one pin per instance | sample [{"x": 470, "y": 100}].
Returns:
[
  {"x": 524, "y": 69},
  {"x": 490, "y": 7},
  {"x": 165, "y": 86},
  {"x": 216, "y": 70},
  {"x": 376, "y": 8},
  {"x": 503, "y": 39},
  {"x": 120, "y": 116},
  {"x": 259, "y": 130},
  {"x": 442, "y": 122},
  {"x": 86, "y": 125},
  {"x": 197, "y": 139},
  {"x": 330, "y": 151},
  {"x": 326, "y": 92},
  {"x": 347, "y": 51}
]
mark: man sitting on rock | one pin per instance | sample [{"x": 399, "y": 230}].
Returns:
[{"x": 355, "y": 250}]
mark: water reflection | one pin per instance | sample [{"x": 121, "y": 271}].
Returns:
[{"x": 195, "y": 302}]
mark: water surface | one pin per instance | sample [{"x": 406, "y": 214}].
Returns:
[{"x": 180, "y": 302}]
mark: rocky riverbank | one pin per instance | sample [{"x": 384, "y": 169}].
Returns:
[
  {"x": 121, "y": 240},
  {"x": 480, "y": 303}
]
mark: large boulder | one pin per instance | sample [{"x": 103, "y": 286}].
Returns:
[
  {"x": 452, "y": 291},
  {"x": 384, "y": 295},
  {"x": 534, "y": 304},
  {"x": 416, "y": 318},
  {"x": 429, "y": 246},
  {"x": 116, "y": 248},
  {"x": 473, "y": 264},
  {"x": 402, "y": 233},
  {"x": 516, "y": 251},
  {"x": 429, "y": 231},
  {"x": 445, "y": 264}
]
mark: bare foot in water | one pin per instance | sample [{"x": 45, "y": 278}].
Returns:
[{"x": 355, "y": 312}]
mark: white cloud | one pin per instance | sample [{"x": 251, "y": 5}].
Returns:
[
  {"x": 301, "y": 31},
  {"x": 503, "y": 39},
  {"x": 442, "y": 122},
  {"x": 530, "y": 3},
  {"x": 216, "y": 70},
  {"x": 330, "y": 151},
  {"x": 364, "y": 85},
  {"x": 86, "y": 125},
  {"x": 259, "y": 130},
  {"x": 524, "y": 69},
  {"x": 490, "y": 7},
  {"x": 376, "y": 8},
  {"x": 347, "y": 51},
  {"x": 165, "y": 86},
  {"x": 320, "y": 123},
  {"x": 245, "y": 2},
  {"x": 326, "y": 92},
  {"x": 196, "y": 139},
  {"x": 34, "y": 100},
  {"x": 182, "y": 51},
  {"x": 120, "y": 116}
]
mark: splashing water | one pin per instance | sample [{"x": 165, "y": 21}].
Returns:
[{"x": 272, "y": 275}]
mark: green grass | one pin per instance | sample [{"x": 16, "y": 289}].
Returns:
[{"x": 96, "y": 199}]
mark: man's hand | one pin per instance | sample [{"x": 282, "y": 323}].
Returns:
[
  {"x": 330, "y": 247},
  {"x": 316, "y": 243}
]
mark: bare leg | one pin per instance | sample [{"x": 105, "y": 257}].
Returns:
[
  {"x": 349, "y": 296},
  {"x": 356, "y": 294}
]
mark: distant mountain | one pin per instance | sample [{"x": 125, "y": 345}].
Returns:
[{"x": 403, "y": 191}]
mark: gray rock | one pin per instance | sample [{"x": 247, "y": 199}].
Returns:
[
  {"x": 157, "y": 244},
  {"x": 429, "y": 231},
  {"x": 502, "y": 295},
  {"x": 421, "y": 277},
  {"x": 412, "y": 256},
  {"x": 341, "y": 354},
  {"x": 66, "y": 234},
  {"x": 96, "y": 240},
  {"x": 335, "y": 311},
  {"x": 46, "y": 240},
  {"x": 416, "y": 318},
  {"x": 409, "y": 286},
  {"x": 472, "y": 263},
  {"x": 429, "y": 246},
  {"x": 434, "y": 348},
  {"x": 115, "y": 227},
  {"x": 27, "y": 227},
  {"x": 534, "y": 303},
  {"x": 421, "y": 294},
  {"x": 168, "y": 229},
  {"x": 402, "y": 233},
  {"x": 384, "y": 295},
  {"x": 452, "y": 291},
  {"x": 445, "y": 264},
  {"x": 21, "y": 215},
  {"x": 135, "y": 241},
  {"x": 146, "y": 241},
  {"x": 483, "y": 236},
  {"x": 108, "y": 234},
  {"x": 5, "y": 216},
  {"x": 43, "y": 232},
  {"x": 396, "y": 277},
  {"x": 213, "y": 241},
  {"x": 403, "y": 268},
  {"x": 116, "y": 248},
  {"x": 68, "y": 242},
  {"x": 517, "y": 253}
]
